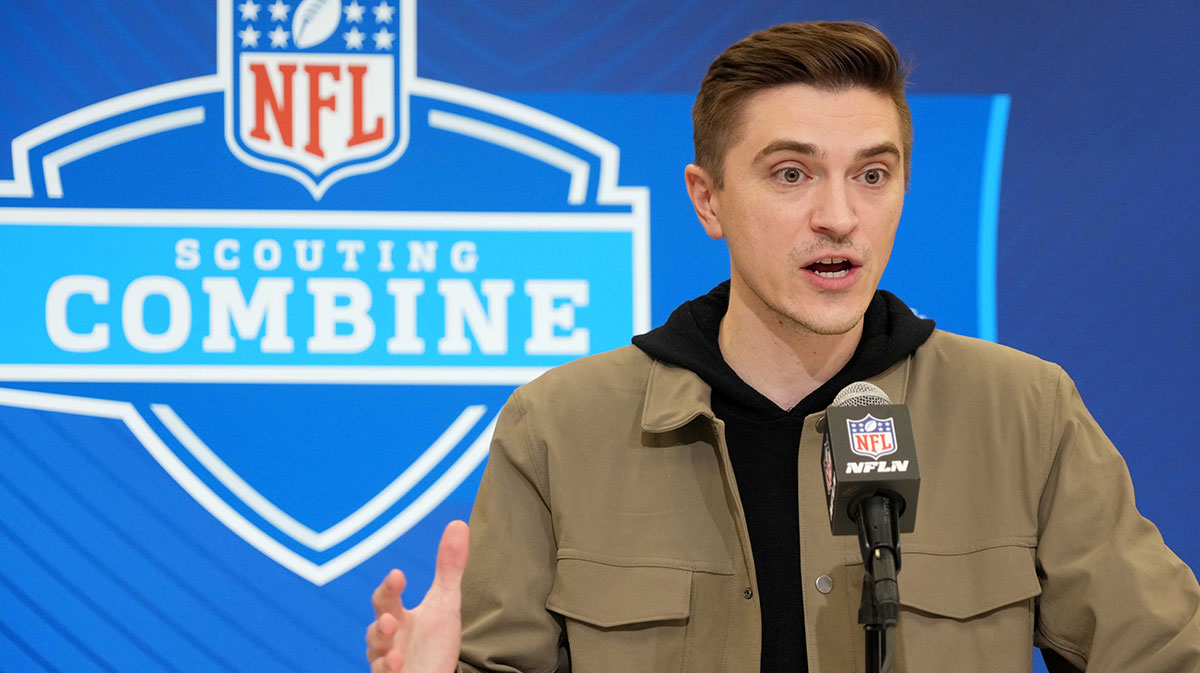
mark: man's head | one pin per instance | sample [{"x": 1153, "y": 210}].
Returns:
[
  {"x": 833, "y": 56},
  {"x": 802, "y": 148}
]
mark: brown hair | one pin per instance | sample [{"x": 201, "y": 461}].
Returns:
[{"x": 828, "y": 55}]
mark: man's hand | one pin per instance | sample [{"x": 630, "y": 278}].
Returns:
[{"x": 425, "y": 639}]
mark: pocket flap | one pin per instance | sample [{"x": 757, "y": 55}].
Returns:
[
  {"x": 608, "y": 595},
  {"x": 965, "y": 585}
]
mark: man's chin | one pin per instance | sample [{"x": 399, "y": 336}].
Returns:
[
  {"x": 831, "y": 319},
  {"x": 828, "y": 323},
  {"x": 834, "y": 329}
]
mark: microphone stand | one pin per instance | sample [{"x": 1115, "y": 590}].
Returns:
[{"x": 879, "y": 611}]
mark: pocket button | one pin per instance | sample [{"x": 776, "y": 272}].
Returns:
[{"x": 824, "y": 584}]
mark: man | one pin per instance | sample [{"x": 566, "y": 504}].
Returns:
[{"x": 660, "y": 507}]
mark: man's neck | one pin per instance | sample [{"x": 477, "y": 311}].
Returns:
[{"x": 780, "y": 359}]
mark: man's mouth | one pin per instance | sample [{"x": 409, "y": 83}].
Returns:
[{"x": 831, "y": 267}]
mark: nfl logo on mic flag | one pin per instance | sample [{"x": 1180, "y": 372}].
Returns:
[{"x": 872, "y": 437}]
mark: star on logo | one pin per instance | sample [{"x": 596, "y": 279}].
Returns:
[
  {"x": 383, "y": 12},
  {"x": 249, "y": 11},
  {"x": 279, "y": 37},
  {"x": 354, "y": 38},
  {"x": 383, "y": 39},
  {"x": 354, "y": 12},
  {"x": 249, "y": 36},
  {"x": 279, "y": 12}
]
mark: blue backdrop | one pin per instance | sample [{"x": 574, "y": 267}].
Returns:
[{"x": 171, "y": 504}]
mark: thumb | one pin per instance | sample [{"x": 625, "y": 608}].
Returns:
[{"x": 452, "y": 557}]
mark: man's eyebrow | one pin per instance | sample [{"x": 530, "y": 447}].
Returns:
[
  {"x": 807, "y": 149},
  {"x": 811, "y": 150},
  {"x": 885, "y": 147}
]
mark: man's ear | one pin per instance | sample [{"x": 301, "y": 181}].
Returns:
[{"x": 704, "y": 197}]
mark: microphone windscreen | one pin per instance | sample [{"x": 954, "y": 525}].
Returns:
[{"x": 861, "y": 394}]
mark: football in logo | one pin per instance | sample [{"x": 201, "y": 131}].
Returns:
[{"x": 315, "y": 21}]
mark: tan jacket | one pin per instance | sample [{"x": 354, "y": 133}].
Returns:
[{"x": 608, "y": 525}]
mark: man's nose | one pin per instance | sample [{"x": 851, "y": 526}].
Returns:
[{"x": 833, "y": 213}]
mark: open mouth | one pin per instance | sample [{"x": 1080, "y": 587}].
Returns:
[{"x": 831, "y": 267}]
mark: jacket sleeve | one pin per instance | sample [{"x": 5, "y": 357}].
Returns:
[
  {"x": 510, "y": 569},
  {"x": 1114, "y": 597}
]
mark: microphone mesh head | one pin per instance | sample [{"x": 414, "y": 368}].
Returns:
[{"x": 861, "y": 394}]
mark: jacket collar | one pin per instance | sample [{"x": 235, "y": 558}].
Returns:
[{"x": 674, "y": 397}]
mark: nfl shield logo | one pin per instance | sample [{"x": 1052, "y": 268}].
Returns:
[
  {"x": 265, "y": 349},
  {"x": 316, "y": 89},
  {"x": 872, "y": 437}
]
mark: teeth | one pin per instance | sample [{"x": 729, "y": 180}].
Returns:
[
  {"x": 832, "y": 274},
  {"x": 833, "y": 260}
]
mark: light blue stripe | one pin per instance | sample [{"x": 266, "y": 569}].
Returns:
[{"x": 989, "y": 212}]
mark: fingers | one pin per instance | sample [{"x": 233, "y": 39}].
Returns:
[
  {"x": 389, "y": 612},
  {"x": 452, "y": 557},
  {"x": 383, "y": 652},
  {"x": 391, "y": 663},
  {"x": 380, "y": 636},
  {"x": 386, "y": 598}
]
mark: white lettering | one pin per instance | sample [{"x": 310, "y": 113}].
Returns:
[
  {"x": 309, "y": 254},
  {"x": 327, "y": 315},
  {"x": 179, "y": 314},
  {"x": 385, "y": 256},
  {"x": 351, "y": 250},
  {"x": 547, "y": 317},
  {"x": 422, "y": 256},
  {"x": 463, "y": 257},
  {"x": 406, "y": 291},
  {"x": 60, "y": 332},
  {"x": 221, "y": 254},
  {"x": 893, "y": 466},
  {"x": 156, "y": 312},
  {"x": 268, "y": 254},
  {"x": 268, "y": 304},
  {"x": 187, "y": 254},
  {"x": 463, "y": 308}
]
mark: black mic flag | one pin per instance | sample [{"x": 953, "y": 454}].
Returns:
[{"x": 868, "y": 449}]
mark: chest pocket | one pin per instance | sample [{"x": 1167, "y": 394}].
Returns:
[
  {"x": 967, "y": 612},
  {"x": 622, "y": 618}
]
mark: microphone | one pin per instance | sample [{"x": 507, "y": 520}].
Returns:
[
  {"x": 868, "y": 450},
  {"x": 869, "y": 460}
]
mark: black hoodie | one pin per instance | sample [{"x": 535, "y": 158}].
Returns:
[{"x": 763, "y": 441}]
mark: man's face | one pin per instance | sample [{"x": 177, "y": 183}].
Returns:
[{"x": 814, "y": 186}]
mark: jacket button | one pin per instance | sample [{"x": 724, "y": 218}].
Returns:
[
  {"x": 824, "y": 584},
  {"x": 747, "y": 593}
]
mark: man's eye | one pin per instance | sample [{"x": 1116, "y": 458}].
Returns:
[
  {"x": 874, "y": 176},
  {"x": 791, "y": 175}
]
